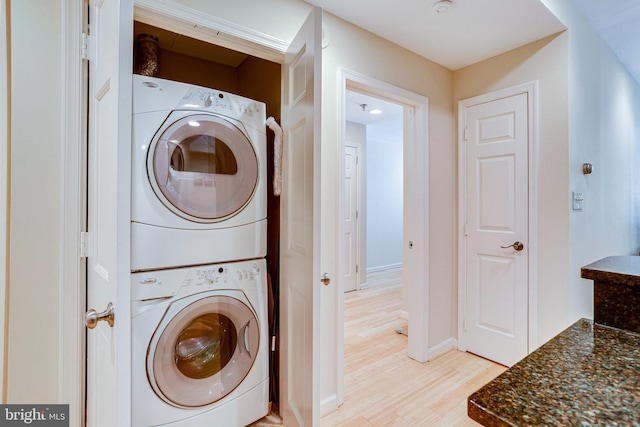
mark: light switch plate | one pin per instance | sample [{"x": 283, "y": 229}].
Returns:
[{"x": 578, "y": 201}]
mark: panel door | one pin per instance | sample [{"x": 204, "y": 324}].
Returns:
[
  {"x": 108, "y": 352},
  {"x": 300, "y": 227},
  {"x": 351, "y": 237},
  {"x": 496, "y": 318}
]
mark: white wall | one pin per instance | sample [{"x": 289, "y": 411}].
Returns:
[
  {"x": 384, "y": 200},
  {"x": 604, "y": 129}
]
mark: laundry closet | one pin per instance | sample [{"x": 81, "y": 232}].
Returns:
[{"x": 184, "y": 59}]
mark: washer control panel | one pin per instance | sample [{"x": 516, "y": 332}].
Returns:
[{"x": 184, "y": 281}]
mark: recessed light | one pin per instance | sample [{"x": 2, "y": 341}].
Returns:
[
  {"x": 375, "y": 111},
  {"x": 442, "y": 6}
]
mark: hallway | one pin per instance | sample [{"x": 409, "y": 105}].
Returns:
[{"x": 383, "y": 386}]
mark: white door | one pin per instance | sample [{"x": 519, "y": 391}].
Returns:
[
  {"x": 351, "y": 203},
  {"x": 108, "y": 191},
  {"x": 300, "y": 227},
  {"x": 497, "y": 198}
]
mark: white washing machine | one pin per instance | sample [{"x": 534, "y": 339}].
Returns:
[
  {"x": 199, "y": 345},
  {"x": 198, "y": 176}
]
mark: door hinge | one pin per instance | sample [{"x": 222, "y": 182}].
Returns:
[
  {"x": 465, "y": 134},
  {"x": 84, "y": 245},
  {"x": 465, "y": 231},
  {"x": 464, "y": 324},
  {"x": 84, "y": 46},
  {"x": 356, "y": 268}
]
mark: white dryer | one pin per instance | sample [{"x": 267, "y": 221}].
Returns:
[
  {"x": 199, "y": 345},
  {"x": 198, "y": 176}
]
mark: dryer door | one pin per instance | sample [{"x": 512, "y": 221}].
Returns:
[
  {"x": 203, "y": 350},
  {"x": 202, "y": 167}
]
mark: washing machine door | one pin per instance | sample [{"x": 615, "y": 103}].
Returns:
[
  {"x": 202, "y": 166},
  {"x": 203, "y": 349}
]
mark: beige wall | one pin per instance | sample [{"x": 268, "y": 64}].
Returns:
[
  {"x": 362, "y": 52},
  {"x": 4, "y": 183},
  {"x": 34, "y": 342},
  {"x": 544, "y": 61}
]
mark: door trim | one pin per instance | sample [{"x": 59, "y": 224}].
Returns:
[
  {"x": 211, "y": 29},
  {"x": 531, "y": 89},
  {"x": 416, "y": 209},
  {"x": 72, "y": 280}
]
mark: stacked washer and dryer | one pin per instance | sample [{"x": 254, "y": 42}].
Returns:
[{"x": 198, "y": 247}]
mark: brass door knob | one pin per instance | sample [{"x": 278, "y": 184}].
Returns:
[{"x": 518, "y": 246}]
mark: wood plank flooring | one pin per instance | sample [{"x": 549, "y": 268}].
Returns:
[{"x": 383, "y": 386}]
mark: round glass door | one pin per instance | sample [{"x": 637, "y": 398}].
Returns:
[
  {"x": 203, "y": 168},
  {"x": 204, "y": 352}
]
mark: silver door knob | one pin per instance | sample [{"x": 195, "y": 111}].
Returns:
[
  {"x": 325, "y": 279},
  {"x": 93, "y": 317},
  {"x": 517, "y": 246}
]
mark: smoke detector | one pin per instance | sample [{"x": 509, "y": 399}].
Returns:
[{"x": 442, "y": 6}]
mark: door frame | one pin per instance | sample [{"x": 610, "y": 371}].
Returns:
[
  {"x": 72, "y": 262},
  {"x": 416, "y": 209},
  {"x": 531, "y": 89}
]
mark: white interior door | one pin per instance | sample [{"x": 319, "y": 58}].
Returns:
[
  {"x": 300, "y": 227},
  {"x": 108, "y": 349},
  {"x": 351, "y": 203},
  {"x": 495, "y": 322}
]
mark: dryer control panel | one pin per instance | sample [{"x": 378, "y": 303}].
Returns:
[{"x": 250, "y": 112}]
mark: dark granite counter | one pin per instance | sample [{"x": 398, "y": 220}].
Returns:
[
  {"x": 624, "y": 270},
  {"x": 588, "y": 375},
  {"x": 616, "y": 291}
]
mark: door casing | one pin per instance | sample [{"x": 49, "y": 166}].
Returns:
[
  {"x": 531, "y": 88},
  {"x": 416, "y": 213}
]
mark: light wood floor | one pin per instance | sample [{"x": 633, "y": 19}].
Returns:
[{"x": 382, "y": 385}]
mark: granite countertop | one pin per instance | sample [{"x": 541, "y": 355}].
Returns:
[
  {"x": 588, "y": 375},
  {"x": 615, "y": 269}
]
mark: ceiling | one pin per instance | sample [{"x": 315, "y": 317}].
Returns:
[
  {"x": 618, "y": 23},
  {"x": 468, "y": 32},
  {"x": 471, "y": 30}
]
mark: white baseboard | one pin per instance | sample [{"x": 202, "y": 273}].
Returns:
[
  {"x": 328, "y": 405},
  {"x": 404, "y": 314},
  {"x": 442, "y": 348},
  {"x": 384, "y": 267}
]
